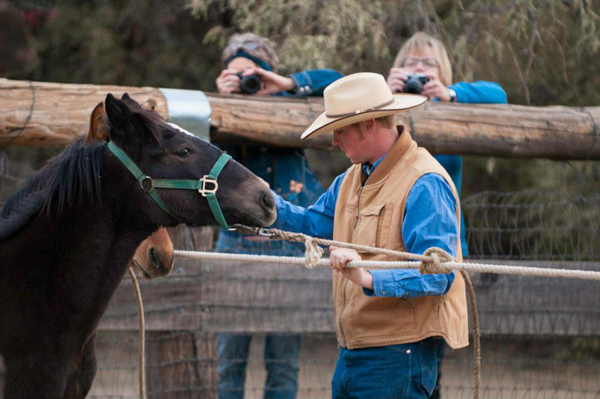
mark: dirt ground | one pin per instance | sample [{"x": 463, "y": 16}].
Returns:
[{"x": 511, "y": 369}]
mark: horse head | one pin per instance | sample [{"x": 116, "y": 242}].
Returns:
[
  {"x": 172, "y": 166},
  {"x": 154, "y": 257}
]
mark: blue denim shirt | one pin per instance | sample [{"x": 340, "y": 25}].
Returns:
[
  {"x": 280, "y": 167},
  {"x": 429, "y": 220},
  {"x": 469, "y": 93}
]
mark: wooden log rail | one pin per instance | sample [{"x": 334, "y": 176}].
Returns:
[
  {"x": 54, "y": 114},
  {"x": 217, "y": 297}
]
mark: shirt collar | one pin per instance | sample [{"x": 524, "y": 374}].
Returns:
[{"x": 368, "y": 168}]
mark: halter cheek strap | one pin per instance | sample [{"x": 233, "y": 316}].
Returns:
[{"x": 150, "y": 185}]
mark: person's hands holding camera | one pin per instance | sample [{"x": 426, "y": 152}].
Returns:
[
  {"x": 228, "y": 82},
  {"x": 397, "y": 79},
  {"x": 339, "y": 258},
  {"x": 271, "y": 82},
  {"x": 435, "y": 88}
]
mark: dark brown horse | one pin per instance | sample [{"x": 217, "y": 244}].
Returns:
[
  {"x": 67, "y": 237},
  {"x": 154, "y": 257}
]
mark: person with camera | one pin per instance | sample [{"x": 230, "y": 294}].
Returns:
[
  {"x": 422, "y": 66},
  {"x": 250, "y": 67}
]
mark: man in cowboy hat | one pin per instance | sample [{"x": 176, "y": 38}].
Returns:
[{"x": 395, "y": 196}]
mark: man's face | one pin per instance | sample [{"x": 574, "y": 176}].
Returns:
[{"x": 351, "y": 140}]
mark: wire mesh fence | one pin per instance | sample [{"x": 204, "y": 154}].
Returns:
[{"x": 539, "y": 334}]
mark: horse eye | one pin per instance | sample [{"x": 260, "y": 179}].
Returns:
[{"x": 183, "y": 152}]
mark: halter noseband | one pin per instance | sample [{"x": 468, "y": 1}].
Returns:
[{"x": 150, "y": 185}]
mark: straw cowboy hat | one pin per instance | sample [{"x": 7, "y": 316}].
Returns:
[{"x": 357, "y": 98}]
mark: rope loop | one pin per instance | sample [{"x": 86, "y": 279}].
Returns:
[{"x": 437, "y": 258}]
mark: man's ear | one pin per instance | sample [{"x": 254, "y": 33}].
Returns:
[
  {"x": 121, "y": 121},
  {"x": 370, "y": 125}
]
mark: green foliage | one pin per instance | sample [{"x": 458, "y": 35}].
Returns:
[{"x": 542, "y": 52}]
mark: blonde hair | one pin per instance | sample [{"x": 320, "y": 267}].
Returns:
[
  {"x": 422, "y": 40},
  {"x": 388, "y": 121},
  {"x": 257, "y": 46}
]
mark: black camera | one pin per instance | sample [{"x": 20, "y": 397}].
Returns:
[
  {"x": 249, "y": 84},
  {"x": 414, "y": 83}
]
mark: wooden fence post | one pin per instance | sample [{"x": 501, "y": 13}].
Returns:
[{"x": 183, "y": 364}]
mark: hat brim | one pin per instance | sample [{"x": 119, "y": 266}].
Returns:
[{"x": 324, "y": 124}]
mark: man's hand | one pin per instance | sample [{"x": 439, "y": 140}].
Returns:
[
  {"x": 397, "y": 79},
  {"x": 434, "y": 88},
  {"x": 338, "y": 260},
  {"x": 271, "y": 82}
]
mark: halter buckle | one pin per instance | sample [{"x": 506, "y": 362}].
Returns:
[{"x": 207, "y": 180}]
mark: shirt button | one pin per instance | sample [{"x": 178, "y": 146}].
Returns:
[
  {"x": 269, "y": 169},
  {"x": 408, "y": 351},
  {"x": 383, "y": 292}
]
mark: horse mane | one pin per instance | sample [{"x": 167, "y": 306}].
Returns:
[{"x": 68, "y": 180}]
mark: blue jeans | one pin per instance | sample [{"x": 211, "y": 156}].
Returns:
[
  {"x": 405, "y": 371},
  {"x": 281, "y": 359},
  {"x": 281, "y": 350}
]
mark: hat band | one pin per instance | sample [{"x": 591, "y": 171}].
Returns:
[{"x": 360, "y": 111}]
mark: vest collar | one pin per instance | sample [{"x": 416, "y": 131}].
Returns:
[{"x": 403, "y": 144}]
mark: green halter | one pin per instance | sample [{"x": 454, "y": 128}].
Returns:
[{"x": 149, "y": 185}]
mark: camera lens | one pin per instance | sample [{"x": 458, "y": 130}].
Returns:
[
  {"x": 250, "y": 84},
  {"x": 413, "y": 86}
]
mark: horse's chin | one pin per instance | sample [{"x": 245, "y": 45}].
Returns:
[
  {"x": 252, "y": 221},
  {"x": 141, "y": 272}
]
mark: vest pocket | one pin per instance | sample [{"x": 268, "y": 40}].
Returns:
[{"x": 373, "y": 225}]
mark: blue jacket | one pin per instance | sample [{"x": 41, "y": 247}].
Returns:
[
  {"x": 430, "y": 221},
  {"x": 279, "y": 166},
  {"x": 469, "y": 93}
]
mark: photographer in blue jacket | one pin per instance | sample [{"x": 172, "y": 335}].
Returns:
[
  {"x": 422, "y": 66},
  {"x": 250, "y": 67}
]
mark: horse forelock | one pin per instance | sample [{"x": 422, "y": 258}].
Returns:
[{"x": 151, "y": 121}]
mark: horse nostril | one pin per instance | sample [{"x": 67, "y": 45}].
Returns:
[
  {"x": 268, "y": 200},
  {"x": 154, "y": 257}
]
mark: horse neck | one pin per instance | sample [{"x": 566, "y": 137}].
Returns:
[{"x": 75, "y": 261}]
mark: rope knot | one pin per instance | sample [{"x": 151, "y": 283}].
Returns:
[
  {"x": 313, "y": 253},
  {"x": 437, "y": 257}
]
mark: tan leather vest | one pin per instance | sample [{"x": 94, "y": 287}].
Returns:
[{"x": 372, "y": 214}]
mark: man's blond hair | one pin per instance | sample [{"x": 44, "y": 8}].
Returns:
[
  {"x": 422, "y": 40},
  {"x": 385, "y": 121},
  {"x": 257, "y": 46}
]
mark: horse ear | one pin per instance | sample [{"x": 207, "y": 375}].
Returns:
[
  {"x": 120, "y": 119},
  {"x": 125, "y": 97},
  {"x": 98, "y": 131}
]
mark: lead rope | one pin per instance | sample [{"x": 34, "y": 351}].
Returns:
[
  {"x": 142, "y": 349},
  {"x": 430, "y": 264}
]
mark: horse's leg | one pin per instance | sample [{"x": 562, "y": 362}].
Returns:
[{"x": 80, "y": 381}]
